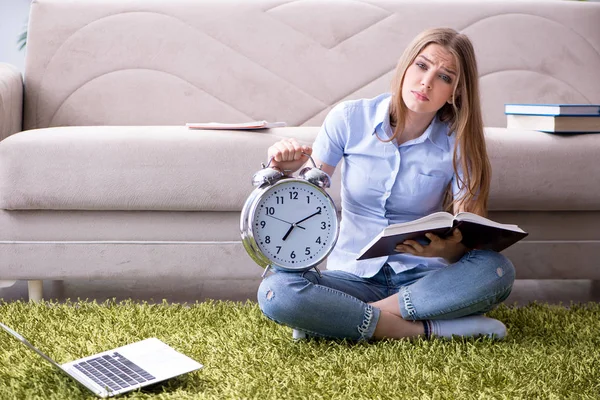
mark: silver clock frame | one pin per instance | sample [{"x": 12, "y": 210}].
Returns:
[{"x": 249, "y": 211}]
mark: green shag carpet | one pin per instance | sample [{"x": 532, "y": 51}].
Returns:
[{"x": 552, "y": 352}]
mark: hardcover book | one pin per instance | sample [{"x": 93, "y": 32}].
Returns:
[
  {"x": 478, "y": 233},
  {"x": 552, "y": 109},
  {"x": 554, "y": 123}
]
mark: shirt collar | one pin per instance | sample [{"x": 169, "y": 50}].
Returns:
[
  {"x": 436, "y": 132},
  {"x": 381, "y": 120}
]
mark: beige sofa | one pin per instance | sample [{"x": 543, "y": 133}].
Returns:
[{"x": 99, "y": 178}]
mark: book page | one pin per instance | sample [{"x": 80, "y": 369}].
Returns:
[
  {"x": 478, "y": 219},
  {"x": 431, "y": 221}
]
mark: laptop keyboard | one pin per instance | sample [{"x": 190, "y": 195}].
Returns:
[{"x": 113, "y": 371}]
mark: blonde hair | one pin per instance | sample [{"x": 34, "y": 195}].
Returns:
[{"x": 463, "y": 116}]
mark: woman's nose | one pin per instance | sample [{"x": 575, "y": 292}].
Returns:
[{"x": 426, "y": 81}]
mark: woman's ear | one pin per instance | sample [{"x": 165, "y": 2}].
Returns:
[{"x": 455, "y": 99}]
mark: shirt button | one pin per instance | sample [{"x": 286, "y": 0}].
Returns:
[{"x": 387, "y": 194}]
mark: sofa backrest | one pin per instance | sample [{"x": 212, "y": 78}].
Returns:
[{"x": 140, "y": 62}]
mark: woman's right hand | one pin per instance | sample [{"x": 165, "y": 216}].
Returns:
[{"x": 287, "y": 155}]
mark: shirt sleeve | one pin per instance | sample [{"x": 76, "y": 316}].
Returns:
[{"x": 331, "y": 140}]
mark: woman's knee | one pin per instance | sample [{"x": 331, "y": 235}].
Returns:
[
  {"x": 270, "y": 285},
  {"x": 496, "y": 266},
  {"x": 275, "y": 293}
]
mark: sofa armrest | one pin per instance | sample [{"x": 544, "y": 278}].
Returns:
[
  {"x": 536, "y": 171},
  {"x": 11, "y": 100}
]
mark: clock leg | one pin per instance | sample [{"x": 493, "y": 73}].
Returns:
[
  {"x": 298, "y": 334},
  {"x": 318, "y": 272},
  {"x": 266, "y": 271}
]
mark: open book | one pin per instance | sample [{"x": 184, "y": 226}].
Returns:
[
  {"x": 478, "y": 233},
  {"x": 235, "y": 126}
]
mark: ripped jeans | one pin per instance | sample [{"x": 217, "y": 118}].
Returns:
[{"x": 335, "y": 305}]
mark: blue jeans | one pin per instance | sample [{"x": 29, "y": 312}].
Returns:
[{"x": 336, "y": 305}]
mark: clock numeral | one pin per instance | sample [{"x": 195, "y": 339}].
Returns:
[
  {"x": 307, "y": 199},
  {"x": 263, "y": 224},
  {"x": 270, "y": 210},
  {"x": 293, "y": 255},
  {"x": 307, "y": 251},
  {"x": 323, "y": 225},
  {"x": 279, "y": 199},
  {"x": 318, "y": 240},
  {"x": 267, "y": 239},
  {"x": 293, "y": 195},
  {"x": 319, "y": 210},
  {"x": 278, "y": 249}
]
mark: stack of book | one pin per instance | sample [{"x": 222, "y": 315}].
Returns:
[{"x": 554, "y": 118}]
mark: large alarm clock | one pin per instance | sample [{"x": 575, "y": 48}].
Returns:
[{"x": 289, "y": 223}]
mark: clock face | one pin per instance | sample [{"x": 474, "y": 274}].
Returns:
[{"x": 295, "y": 224}]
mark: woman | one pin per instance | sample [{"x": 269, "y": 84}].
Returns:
[{"x": 406, "y": 154}]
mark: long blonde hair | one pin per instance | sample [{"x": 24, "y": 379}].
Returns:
[{"x": 463, "y": 115}]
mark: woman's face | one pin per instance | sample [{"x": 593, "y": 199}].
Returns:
[{"x": 430, "y": 80}]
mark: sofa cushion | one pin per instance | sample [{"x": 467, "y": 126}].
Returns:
[
  {"x": 120, "y": 226},
  {"x": 176, "y": 169},
  {"x": 539, "y": 171},
  {"x": 133, "y": 168}
]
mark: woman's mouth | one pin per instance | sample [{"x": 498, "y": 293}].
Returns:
[{"x": 420, "y": 96}]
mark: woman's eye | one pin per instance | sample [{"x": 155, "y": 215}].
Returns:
[
  {"x": 421, "y": 65},
  {"x": 446, "y": 78}
]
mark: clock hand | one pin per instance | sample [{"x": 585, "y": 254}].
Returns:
[
  {"x": 296, "y": 224},
  {"x": 288, "y": 232},
  {"x": 282, "y": 220},
  {"x": 279, "y": 219},
  {"x": 310, "y": 216}
]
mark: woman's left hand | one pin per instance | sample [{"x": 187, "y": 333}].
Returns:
[{"x": 450, "y": 248}]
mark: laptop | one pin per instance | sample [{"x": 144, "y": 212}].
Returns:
[{"x": 123, "y": 369}]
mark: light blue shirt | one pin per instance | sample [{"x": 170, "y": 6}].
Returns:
[{"x": 382, "y": 183}]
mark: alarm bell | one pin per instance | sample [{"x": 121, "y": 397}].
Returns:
[
  {"x": 266, "y": 175},
  {"x": 315, "y": 176},
  {"x": 269, "y": 175}
]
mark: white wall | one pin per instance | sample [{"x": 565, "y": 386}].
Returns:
[{"x": 13, "y": 19}]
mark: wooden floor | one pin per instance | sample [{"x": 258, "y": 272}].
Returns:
[{"x": 524, "y": 291}]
